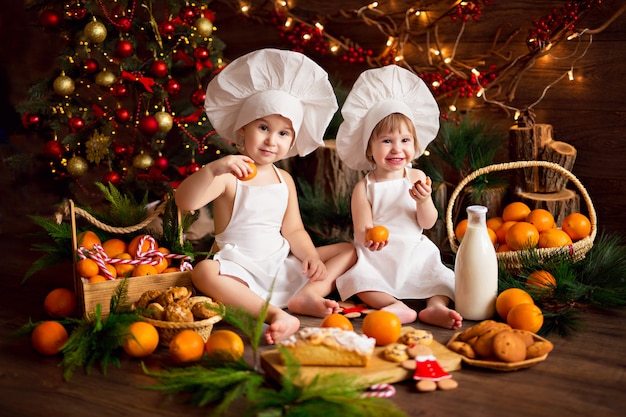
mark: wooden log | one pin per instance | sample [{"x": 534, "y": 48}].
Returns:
[
  {"x": 561, "y": 153},
  {"x": 333, "y": 175},
  {"x": 559, "y": 203},
  {"x": 522, "y": 147}
]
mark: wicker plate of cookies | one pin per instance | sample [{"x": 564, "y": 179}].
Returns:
[{"x": 497, "y": 346}]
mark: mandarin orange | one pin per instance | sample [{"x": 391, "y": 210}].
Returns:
[
  {"x": 377, "y": 234},
  {"x": 522, "y": 235},
  {"x": 142, "y": 339},
  {"x": 186, "y": 346},
  {"x": 515, "y": 211},
  {"x": 554, "y": 238},
  {"x": 60, "y": 302},
  {"x": 384, "y": 326},
  {"x": 540, "y": 218},
  {"x": 509, "y": 298},
  {"x": 251, "y": 174},
  {"x": 577, "y": 226},
  {"x": 49, "y": 337},
  {"x": 337, "y": 320},
  {"x": 525, "y": 316},
  {"x": 224, "y": 344}
]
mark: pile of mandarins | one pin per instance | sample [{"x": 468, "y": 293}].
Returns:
[
  {"x": 520, "y": 227},
  {"x": 118, "y": 258}
]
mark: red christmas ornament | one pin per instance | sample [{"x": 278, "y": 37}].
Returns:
[
  {"x": 172, "y": 87},
  {"x": 161, "y": 163},
  {"x": 120, "y": 90},
  {"x": 111, "y": 177},
  {"x": 31, "y": 120},
  {"x": 201, "y": 53},
  {"x": 53, "y": 149},
  {"x": 193, "y": 167},
  {"x": 50, "y": 19},
  {"x": 124, "y": 48},
  {"x": 159, "y": 69},
  {"x": 120, "y": 149},
  {"x": 167, "y": 28},
  {"x": 122, "y": 115},
  {"x": 124, "y": 24},
  {"x": 90, "y": 66},
  {"x": 188, "y": 14},
  {"x": 148, "y": 125},
  {"x": 76, "y": 124},
  {"x": 198, "y": 97}
]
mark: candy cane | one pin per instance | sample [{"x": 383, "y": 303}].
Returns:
[{"x": 380, "y": 391}]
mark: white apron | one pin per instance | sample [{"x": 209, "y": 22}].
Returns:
[
  {"x": 410, "y": 266},
  {"x": 252, "y": 247}
]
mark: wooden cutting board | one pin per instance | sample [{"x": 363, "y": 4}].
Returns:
[{"x": 379, "y": 370}]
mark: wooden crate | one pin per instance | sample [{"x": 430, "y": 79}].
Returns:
[
  {"x": 90, "y": 294},
  {"x": 100, "y": 292}
]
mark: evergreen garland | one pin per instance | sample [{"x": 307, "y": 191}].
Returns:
[{"x": 598, "y": 280}]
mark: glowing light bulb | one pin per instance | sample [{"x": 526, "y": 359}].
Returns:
[
  {"x": 334, "y": 48},
  {"x": 436, "y": 84},
  {"x": 319, "y": 26},
  {"x": 390, "y": 40},
  {"x": 475, "y": 72},
  {"x": 517, "y": 115},
  {"x": 372, "y": 5},
  {"x": 452, "y": 107},
  {"x": 447, "y": 60},
  {"x": 288, "y": 22}
]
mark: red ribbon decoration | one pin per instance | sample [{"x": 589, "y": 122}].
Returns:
[{"x": 145, "y": 81}]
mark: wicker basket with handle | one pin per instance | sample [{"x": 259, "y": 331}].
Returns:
[{"x": 512, "y": 260}]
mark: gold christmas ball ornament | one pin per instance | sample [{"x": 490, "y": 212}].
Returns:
[
  {"x": 165, "y": 121},
  {"x": 77, "y": 166},
  {"x": 204, "y": 26},
  {"x": 95, "y": 31},
  {"x": 142, "y": 161},
  {"x": 63, "y": 85},
  {"x": 105, "y": 78}
]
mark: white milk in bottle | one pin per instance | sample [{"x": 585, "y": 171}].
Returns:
[{"x": 476, "y": 269}]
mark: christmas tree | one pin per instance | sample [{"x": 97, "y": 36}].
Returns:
[{"x": 125, "y": 103}]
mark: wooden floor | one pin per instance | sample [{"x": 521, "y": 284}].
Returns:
[{"x": 584, "y": 376}]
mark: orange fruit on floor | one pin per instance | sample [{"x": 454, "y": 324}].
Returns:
[
  {"x": 554, "y": 238},
  {"x": 60, "y": 302},
  {"x": 133, "y": 245},
  {"x": 384, "y": 326},
  {"x": 509, "y": 298},
  {"x": 540, "y": 280},
  {"x": 522, "y": 235},
  {"x": 337, "y": 320},
  {"x": 494, "y": 223},
  {"x": 124, "y": 270},
  {"x": 515, "y": 211},
  {"x": 114, "y": 247},
  {"x": 250, "y": 175},
  {"x": 224, "y": 344},
  {"x": 577, "y": 226},
  {"x": 460, "y": 229},
  {"x": 186, "y": 346},
  {"x": 87, "y": 239},
  {"x": 143, "y": 270},
  {"x": 525, "y": 316},
  {"x": 87, "y": 268},
  {"x": 540, "y": 218},
  {"x": 97, "y": 278},
  {"x": 377, "y": 234},
  {"x": 501, "y": 232},
  {"x": 48, "y": 337},
  {"x": 142, "y": 339}
]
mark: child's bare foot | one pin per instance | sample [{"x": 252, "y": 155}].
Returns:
[
  {"x": 404, "y": 312},
  {"x": 313, "y": 306},
  {"x": 442, "y": 316},
  {"x": 282, "y": 325}
]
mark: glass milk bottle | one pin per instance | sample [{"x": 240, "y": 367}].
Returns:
[{"x": 476, "y": 269}]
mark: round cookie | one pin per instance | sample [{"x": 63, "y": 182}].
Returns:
[
  {"x": 509, "y": 347},
  {"x": 396, "y": 352},
  {"x": 416, "y": 337},
  {"x": 539, "y": 348},
  {"x": 462, "y": 348},
  {"x": 526, "y": 336},
  {"x": 484, "y": 344},
  {"x": 476, "y": 330}
]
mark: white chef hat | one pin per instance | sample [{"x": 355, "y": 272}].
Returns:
[
  {"x": 376, "y": 94},
  {"x": 273, "y": 81}
]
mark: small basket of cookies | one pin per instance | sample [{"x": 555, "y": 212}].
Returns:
[{"x": 176, "y": 309}]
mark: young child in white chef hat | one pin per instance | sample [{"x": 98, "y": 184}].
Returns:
[
  {"x": 390, "y": 117},
  {"x": 273, "y": 104}
]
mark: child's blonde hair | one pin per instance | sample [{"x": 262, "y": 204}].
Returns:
[{"x": 391, "y": 123}]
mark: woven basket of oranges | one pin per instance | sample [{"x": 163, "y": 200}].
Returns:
[{"x": 513, "y": 260}]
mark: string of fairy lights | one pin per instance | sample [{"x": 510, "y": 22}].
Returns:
[{"x": 411, "y": 36}]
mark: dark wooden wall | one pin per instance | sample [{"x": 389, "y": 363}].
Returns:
[{"x": 589, "y": 114}]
